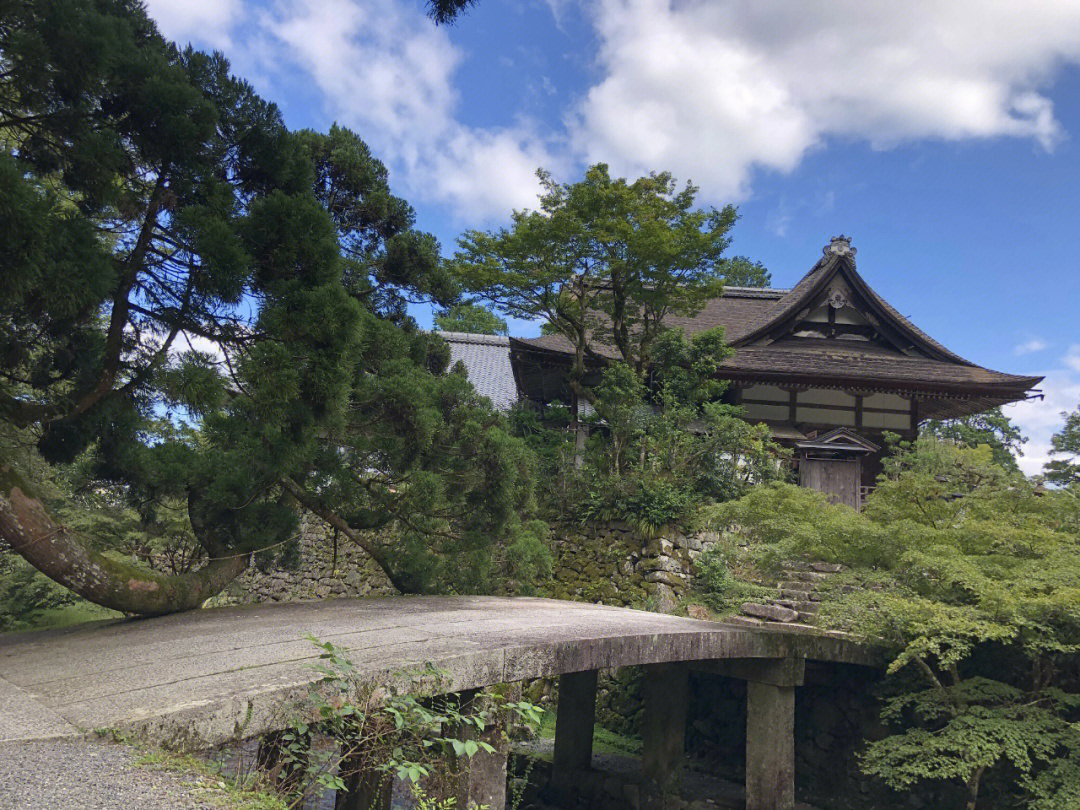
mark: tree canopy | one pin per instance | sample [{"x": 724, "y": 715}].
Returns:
[
  {"x": 470, "y": 318},
  {"x": 969, "y": 574},
  {"x": 1064, "y": 466},
  {"x": 992, "y": 428},
  {"x": 603, "y": 262},
  {"x": 200, "y": 305}
]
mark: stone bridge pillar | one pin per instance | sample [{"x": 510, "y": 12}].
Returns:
[
  {"x": 663, "y": 730},
  {"x": 574, "y": 721},
  {"x": 770, "y": 727}
]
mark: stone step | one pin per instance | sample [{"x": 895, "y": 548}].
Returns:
[
  {"x": 772, "y": 613},
  {"x": 827, "y": 568},
  {"x": 807, "y": 576},
  {"x": 807, "y": 618},
  {"x": 801, "y": 595},
  {"x": 750, "y": 621},
  {"x": 790, "y": 585},
  {"x": 799, "y": 605}
]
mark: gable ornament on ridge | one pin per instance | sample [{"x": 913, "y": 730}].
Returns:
[{"x": 840, "y": 246}]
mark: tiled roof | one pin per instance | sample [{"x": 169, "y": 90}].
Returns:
[
  {"x": 813, "y": 282},
  {"x": 754, "y": 322},
  {"x": 859, "y": 361},
  {"x": 837, "y": 359},
  {"x": 487, "y": 362}
]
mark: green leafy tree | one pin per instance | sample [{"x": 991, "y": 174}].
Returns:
[
  {"x": 992, "y": 428},
  {"x": 969, "y": 574},
  {"x": 603, "y": 262},
  {"x": 1066, "y": 443},
  {"x": 470, "y": 318},
  {"x": 739, "y": 271},
  {"x": 663, "y": 450},
  {"x": 171, "y": 248}
]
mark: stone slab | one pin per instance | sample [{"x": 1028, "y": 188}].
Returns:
[
  {"x": 207, "y": 677},
  {"x": 772, "y": 613},
  {"x": 24, "y": 717}
]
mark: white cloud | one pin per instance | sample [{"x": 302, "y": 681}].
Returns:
[
  {"x": 1031, "y": 346},
  {"x": 713, "y": 91},
  {"x": 186, "y": 342},
  {"x": 381, "y": 68},
  {"x": 206, "y": 20},
  {"x": 386, "y": 71},
  {"x": 1072, "y": 359},
  {"x": 1041, "y": 419}
]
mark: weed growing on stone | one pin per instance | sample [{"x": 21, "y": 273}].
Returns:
[
  {"x": 414, "y": 732},
  {"x": 209, "y": 780}
]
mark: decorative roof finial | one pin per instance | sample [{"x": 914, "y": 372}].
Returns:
[{"x": 839, "y": 246}]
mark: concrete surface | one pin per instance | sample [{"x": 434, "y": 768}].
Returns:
[
  {"x": 88, "y": 775},
  {"x": 209, "y": 676}
]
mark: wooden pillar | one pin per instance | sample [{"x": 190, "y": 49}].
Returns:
[
  {"x": 575, "y": 718},
  {"x": 664, "y": 727}
]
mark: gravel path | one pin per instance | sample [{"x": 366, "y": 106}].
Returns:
[{"x": 87, "y": 775}]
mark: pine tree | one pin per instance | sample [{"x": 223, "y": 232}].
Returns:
[{"x": 203, "y": 307}]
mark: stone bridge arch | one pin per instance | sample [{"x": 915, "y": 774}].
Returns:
[{"x": 208, "y": 677}]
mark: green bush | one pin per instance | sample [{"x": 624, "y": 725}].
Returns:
[
  {"x": 722, "y": 589},
  {"x": 26, "y": 593},
  {"x": 968, "y": 575}
]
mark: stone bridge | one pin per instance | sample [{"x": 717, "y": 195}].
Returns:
[{"x": 209, "y": 677}]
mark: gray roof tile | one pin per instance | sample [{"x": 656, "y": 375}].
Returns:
[{"x": 487, "y": 362}]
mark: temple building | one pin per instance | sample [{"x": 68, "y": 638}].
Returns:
[{"x": 828, "y": 365}]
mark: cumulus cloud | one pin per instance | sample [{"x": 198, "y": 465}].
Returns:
[
  {"x": 381, "y": 68},
  {"x": 385, "y": 71},
  {"x": 1039, "y": 419},
  {"x": 206, "y": 20},
  {"x": 1072, "y": 359},
  {"x": 1030, "y": 347},
  {"x": 714, "y": 91}
]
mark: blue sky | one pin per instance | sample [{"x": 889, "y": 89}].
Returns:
[{"x": 943, "y": 137}]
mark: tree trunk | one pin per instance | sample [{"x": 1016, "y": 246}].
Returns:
[
  {"x": 381, "y": 558},
  {"x": 62, "y": 555},
  {"x": 576, "y": 427},
  {"x": 973, "y": 788}
]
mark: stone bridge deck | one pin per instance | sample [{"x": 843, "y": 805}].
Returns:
[{"x": 210, "y": 676}]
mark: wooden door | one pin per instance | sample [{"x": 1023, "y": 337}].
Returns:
[{"x": 839, "y": 478}]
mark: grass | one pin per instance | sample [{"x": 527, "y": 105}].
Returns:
[
  {"x": 206, "y": 780},
  {"x": 605, "y": 741},
  {"x": 63, "y": 617},
  {"x": 211, "y": 785}
]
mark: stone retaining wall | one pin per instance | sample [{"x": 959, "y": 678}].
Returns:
[
  {"x": 612, "y": 564},
  {"x": 316, "y": 573},
  {"x": 609, "y": 564}
]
